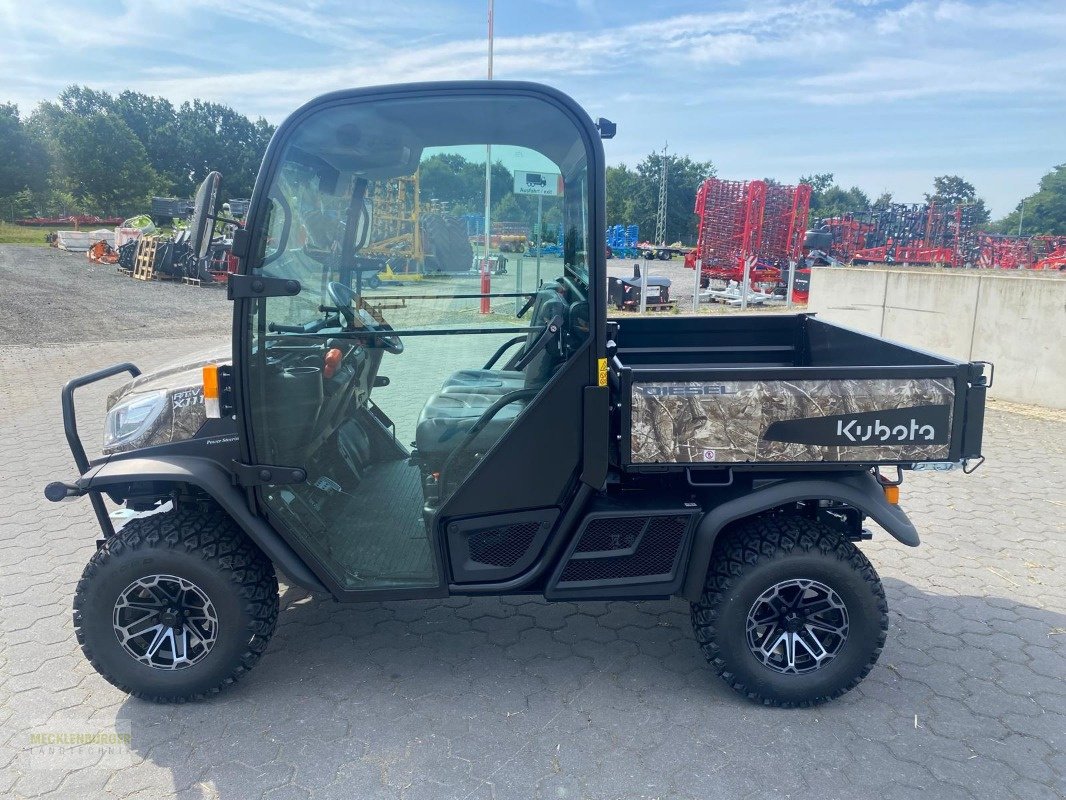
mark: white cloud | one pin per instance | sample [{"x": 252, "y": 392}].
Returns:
[{"x": 771, "y": 76}]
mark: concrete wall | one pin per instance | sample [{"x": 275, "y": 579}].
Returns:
[{"x": 1015, "y": 320}]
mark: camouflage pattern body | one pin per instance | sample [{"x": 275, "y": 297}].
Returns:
[
  {"x": 184, "y": 411},
  {"x": 728, "y": 422}
]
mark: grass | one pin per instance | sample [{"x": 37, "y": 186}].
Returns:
[{"x": 22, "y": 234}]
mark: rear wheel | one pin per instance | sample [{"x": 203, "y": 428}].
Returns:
[
  {"x": 792, "y": 613},
  {"x": 176, "y": 606}
]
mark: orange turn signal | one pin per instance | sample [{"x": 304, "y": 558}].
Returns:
[
  {"x": 892, "y": 494},
  {"x": 211, "y": 404}
]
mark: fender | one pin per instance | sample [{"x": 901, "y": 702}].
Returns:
[
  {"x": 857, "y": 489},
  {"x": 217, "y": 482}
]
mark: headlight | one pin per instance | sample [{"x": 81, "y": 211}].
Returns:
[{"x": 133, "y": 417}]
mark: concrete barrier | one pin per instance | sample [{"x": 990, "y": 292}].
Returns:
[{"x": 1016, "y": 320}]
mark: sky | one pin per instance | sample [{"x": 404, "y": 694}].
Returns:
[{"x": 885, "y": 94}]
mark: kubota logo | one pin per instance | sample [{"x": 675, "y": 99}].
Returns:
[
  {"x": 916, "y": 425},
  {"x": 854, "y": 431}
]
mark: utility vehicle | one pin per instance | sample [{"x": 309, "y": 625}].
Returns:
[{"x": 440, "y": 439}]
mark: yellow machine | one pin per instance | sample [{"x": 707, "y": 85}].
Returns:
[{"x": 398, "y": 228}]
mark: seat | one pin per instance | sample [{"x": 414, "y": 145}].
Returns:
[
  {"x": 467, "y": 394},
  {"x": 547, "y": 304},
  {"x": 448, "y": 416},
  {"x": 481, "y": 380}
]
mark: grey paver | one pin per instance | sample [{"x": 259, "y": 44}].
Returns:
[{"x": 483, "y": 697}]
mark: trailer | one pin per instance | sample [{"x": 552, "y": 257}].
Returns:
[{"x": 164, "y": 210}]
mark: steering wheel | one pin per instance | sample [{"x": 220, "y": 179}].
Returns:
[{"x": 343, "y": 298}]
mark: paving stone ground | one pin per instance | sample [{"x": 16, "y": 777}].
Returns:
[{"x": 518, "y": 698}]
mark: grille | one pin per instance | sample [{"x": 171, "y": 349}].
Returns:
[
  {"x": 502, "y": 547},
  {"x": 616, "y": 533},
  {"x": 654, "y": 556}
]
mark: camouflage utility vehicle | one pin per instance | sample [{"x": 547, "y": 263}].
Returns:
[{"x": 437, "y": 438}]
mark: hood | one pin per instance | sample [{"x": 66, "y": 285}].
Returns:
[
  {"x": 183, "y": 410},
  {"x": 179, "y": 375}
]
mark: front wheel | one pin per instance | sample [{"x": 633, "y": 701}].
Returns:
[
  {"x": 792, "y": 613},
  {"x": 176, "y": 606}
]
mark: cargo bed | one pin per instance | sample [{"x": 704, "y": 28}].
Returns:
[{"x": 775, "y": 390}]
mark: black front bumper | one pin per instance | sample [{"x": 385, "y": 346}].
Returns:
[{"x": 59, "y": 490}]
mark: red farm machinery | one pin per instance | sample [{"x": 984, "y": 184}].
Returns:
[
  {"x": 750, "y": 232},
  {"x": 931, "y": 235}
]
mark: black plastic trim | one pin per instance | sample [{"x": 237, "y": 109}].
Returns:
[
  {"x": 662, "y": 585},
  {"x": 218, "y": 483},
  {"x": 596, "y": 430},
  {"x": 266, "y": 474},
  {"x": 465, "y": 569},
  {"x": 244, "y": 287},
  {"x": 560, "y": 535},
  {"x": 858, "y": 489}
]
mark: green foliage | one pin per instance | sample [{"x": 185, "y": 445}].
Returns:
[
  {"x": 633, "y": 195},
  {"x": 23, "y": 167},
  {"x": 831, "y": 200},
  {"x": 459, "y": 184},
  {"x": 98, "y": 157},
  {"x": 210, "y": 136},
  {"x": 93, "y": 152},
  {"x": 952, "y": 190},
  {"x": 621, "y": 193},
  {"x": 1045, "y": 209}
]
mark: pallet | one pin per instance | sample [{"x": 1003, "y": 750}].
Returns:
[
  {"x": 144, "y": 261},
  {"x": 667, "y": 306},
  {"x": 191, "y": 281}
]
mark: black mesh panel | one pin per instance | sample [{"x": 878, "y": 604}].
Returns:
[
  {"x": 654, "y": 556},
  {"x": 502, "y": 547},
  {"x": 616, "y": 533}
]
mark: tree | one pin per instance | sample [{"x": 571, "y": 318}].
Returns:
[
  {"x": 96, "y": 158},
  {"x": 210, "y": 136},
  {"x": 459, "y": 184},
  {"x": 831, "y": 200},
  {"x": 621, "y": 183},
  {"x": 951, "y": 191},
  {"x": 634, "y": 196},
  {"x": 819, "y": 182},
  {"x": 24, "y": 165},
  {"x": 154, "y": 122},
  {"x": 1044, "y": 210}
]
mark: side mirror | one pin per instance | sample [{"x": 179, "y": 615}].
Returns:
[{"x": 203, "y": 213}]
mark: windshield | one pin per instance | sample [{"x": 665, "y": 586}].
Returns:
[{"x": 367, "y": 193}]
